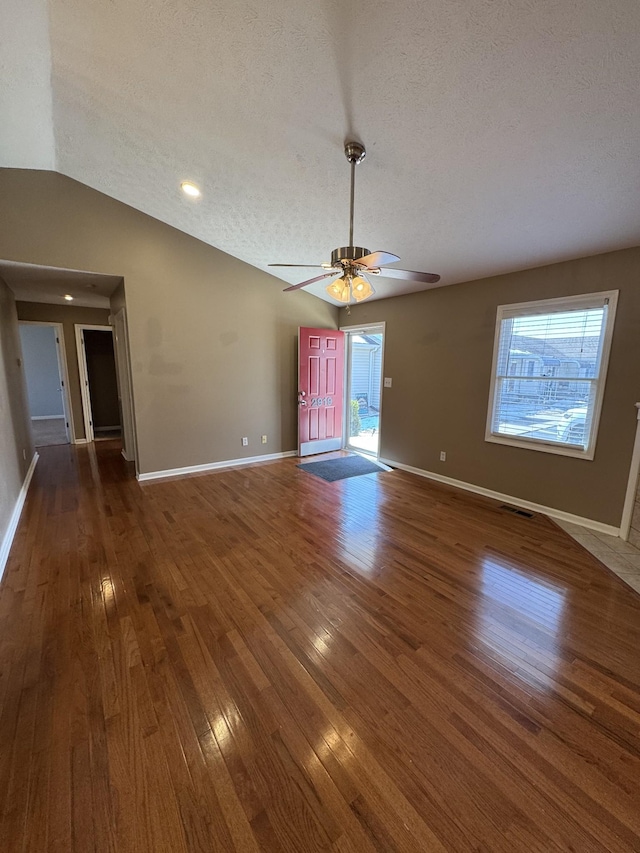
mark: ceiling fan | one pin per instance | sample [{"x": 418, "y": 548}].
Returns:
[{"x": 353, "y": 263}]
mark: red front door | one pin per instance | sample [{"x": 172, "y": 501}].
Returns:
[{"x": 320, "y": 390}]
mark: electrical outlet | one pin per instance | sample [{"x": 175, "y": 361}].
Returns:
[
  {"x": 443, "y": 456},
  {"x": 245, "y": 441},
  {"x": 387, "y": 382},
  {"x": 264, "y": 439}
]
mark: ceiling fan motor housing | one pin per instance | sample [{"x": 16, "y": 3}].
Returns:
[{"x": 347, "y": 253}]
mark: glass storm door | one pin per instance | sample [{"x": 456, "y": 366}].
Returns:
[{"x": 364, "y": 389}]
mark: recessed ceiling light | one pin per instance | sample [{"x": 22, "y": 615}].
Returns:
[
  {"x": 190, "y": 189},
  {"x": 68, "y": 297}
]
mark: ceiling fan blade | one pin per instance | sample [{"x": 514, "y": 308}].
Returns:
[
  {"x": 408, "y": 275},
  {"x": 309, "y": 266},
  {"x": 378, "y": 259},
  {"x": 310, "y": 281}
]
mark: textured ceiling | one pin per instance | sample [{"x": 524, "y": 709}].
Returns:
[
  {"x": 26, "y": 125},
  {"x": 500, "y": 134}
]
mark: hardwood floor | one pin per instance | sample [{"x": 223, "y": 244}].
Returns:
[{"x": 258, "y": 660}]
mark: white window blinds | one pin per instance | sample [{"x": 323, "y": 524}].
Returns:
[{"x": 549, "y": 368}]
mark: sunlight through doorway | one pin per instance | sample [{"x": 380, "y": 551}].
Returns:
[{"x": 365, "y": 347}]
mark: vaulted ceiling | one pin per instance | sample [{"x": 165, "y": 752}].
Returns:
[{"x": 500, "y": 134}]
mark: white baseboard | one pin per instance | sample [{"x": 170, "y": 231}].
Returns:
[
  {"x": 47, "y": 417},
  {"x": 213, "y": 466},
  {"x": 509, "y": 499},
  {"x": 125, "y": 457},
  {"x": 7, "y": 540},
  {"x": 80, "y": 441}
]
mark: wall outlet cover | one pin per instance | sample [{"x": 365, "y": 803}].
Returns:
[
  {"x": 387, "y": 382},
  {"x": 245, "y": 441}
]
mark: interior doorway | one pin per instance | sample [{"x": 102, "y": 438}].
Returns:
[
  {"x": 45, "y": 372},
  {"x": 364, "y": 363},
  {"x": 98, "y": 382}
]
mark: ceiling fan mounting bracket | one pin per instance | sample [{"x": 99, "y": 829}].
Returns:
[
  {"x": 355, "y": 152},
  {"x": 347, "y": 253}
]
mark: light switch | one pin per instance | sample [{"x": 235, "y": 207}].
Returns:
[{"x": 387, "y": 382}]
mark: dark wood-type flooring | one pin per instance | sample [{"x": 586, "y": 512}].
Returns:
[{"x": 258, "y": 660}]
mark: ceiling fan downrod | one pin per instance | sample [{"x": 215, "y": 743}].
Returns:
[{"x": 355, "y": 153}]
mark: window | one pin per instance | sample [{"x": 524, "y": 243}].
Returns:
[{"x": 557, "y": 408}]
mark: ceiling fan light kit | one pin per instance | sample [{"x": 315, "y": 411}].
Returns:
[
  {"x": 352, "y": 262},
  {"x": 340, "y": 290},
  {"x": 361, "y": 289},
  {"x": 350, "y": 285}
]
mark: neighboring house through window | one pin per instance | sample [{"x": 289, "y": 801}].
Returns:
[{"x": 549, "y": 368}]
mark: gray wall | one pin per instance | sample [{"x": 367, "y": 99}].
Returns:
[
  {"x": 438, "y": 351},
  {"x": 40, "y": 357},
  {"x": 213, "y": 340},
  {"x": 16, "y": 447}
]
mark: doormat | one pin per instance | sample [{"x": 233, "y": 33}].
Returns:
[{"x": 339, "y": 469}]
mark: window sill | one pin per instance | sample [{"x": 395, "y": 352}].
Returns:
[{"x": 542, "y": 446}]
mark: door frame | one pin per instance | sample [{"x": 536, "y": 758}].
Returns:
[
  {"x": 632, "y": 483},
  {"x": 125, "y": 385},
  {"x": 63, "y": 373},
  {"x": 362, "y": 328},
  {"x": 87, "y": 412}
]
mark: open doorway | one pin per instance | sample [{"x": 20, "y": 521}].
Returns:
[
  {"x": 98, "y": 382},
  {"x": 364, "y": 351},
  {"x": 45, "y": 373}
]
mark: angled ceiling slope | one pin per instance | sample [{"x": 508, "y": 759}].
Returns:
[{"x": 500, "y": 135}]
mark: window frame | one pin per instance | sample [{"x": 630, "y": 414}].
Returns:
[{"x": 550, "y": 306}]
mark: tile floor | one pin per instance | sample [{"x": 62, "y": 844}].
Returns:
[{"x": 619, "y": 556}]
